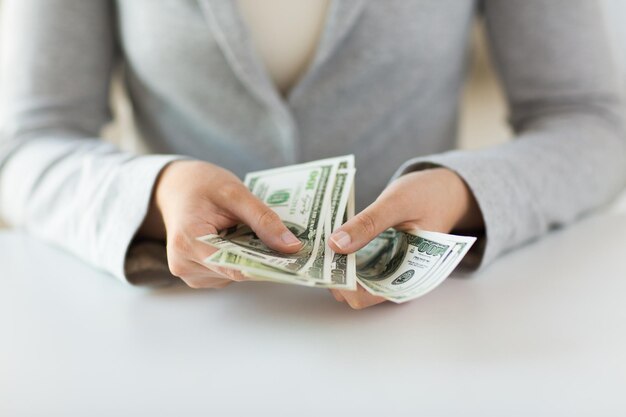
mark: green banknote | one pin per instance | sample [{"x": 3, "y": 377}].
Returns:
[{"x": 313, "y": 200}]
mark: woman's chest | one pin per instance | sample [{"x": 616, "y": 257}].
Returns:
[{"x": 175, "y": 43}]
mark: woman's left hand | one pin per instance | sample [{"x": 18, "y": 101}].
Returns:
[{"x": 435, "y": 199}]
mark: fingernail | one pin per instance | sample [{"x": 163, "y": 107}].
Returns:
[
  {"x": 289, "y": 239},
  {"x": 341, "y": 239}
]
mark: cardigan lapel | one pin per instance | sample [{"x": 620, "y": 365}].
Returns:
[
  {"x": 341, "y": 17},
  {"x": 233, "y": 38}
]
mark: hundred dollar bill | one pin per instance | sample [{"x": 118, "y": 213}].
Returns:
[
  {"x": 401, "y": 266},
  {"x": 339, "y": 268},
  {"x": 461, "y": 245},
  {"x": 315, "y": 269},
  {"x": 300, "y": 195},
  {"x": 255, "y": 270},
  {"x": 320, "y": 270},
  {"x": 313, "y": 200},
  {"x": 329, "y": 269}
]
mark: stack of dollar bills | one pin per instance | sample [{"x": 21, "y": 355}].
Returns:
[{"x": 313, "y": 199}]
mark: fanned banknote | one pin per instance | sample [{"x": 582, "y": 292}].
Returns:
[{"x": 313, "y": 200}]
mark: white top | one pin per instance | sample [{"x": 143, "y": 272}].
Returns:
[
  {"x": 539, "y": 333},
  {"x": 286, "y": 34}
]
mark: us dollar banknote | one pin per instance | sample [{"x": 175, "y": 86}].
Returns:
[
  {"x": 401, "y": 266},
  {"x": 313, "y": 200}
]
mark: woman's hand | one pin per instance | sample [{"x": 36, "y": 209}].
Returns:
[
  {"x": 436, "y": 199},
  {"x": 192, "y": 199}
]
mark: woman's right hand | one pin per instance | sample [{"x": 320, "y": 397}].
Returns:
[{"x": 194, "y": 198}]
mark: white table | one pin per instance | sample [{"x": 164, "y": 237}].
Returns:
[{"x": 542, "y": 332}]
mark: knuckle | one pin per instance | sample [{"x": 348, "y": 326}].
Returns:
[
  {"x": 178, "y": 269},
  {"x": 193, "y": 284},
  {"x": 179, "y": 242},
  {"x": 229, "y": 191},
  {"x": 222, "y": 284},
  {"x": 207, "y": 283},
  {"x": 267, "y": 218},
  {"x": 196, "y": 284},
  {"x": 366, "y": 223}
]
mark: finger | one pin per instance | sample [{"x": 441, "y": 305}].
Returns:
[
  {"x": 361, "y": 299},
  {"x": 221, "y": 272},
  {"x": 207, "y": 283},
  {"x": 185, "y": 258},
  {"x": 197, "y": 276},
  {"x": 201, "y": 252},
  {"x": 232, "y": 274},
  {"x": 266, "y": 224},
  {"x": 337, "y": 296},
  {"x": 365, "y": 226}
]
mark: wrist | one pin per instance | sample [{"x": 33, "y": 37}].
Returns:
[
  {"x": 467, "y": 215},
  {"x": 153, "y": 226}
]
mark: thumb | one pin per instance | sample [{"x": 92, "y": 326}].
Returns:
[
  {"x": 362, "y": 228},
  {"x": 267, "y": 225}
]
